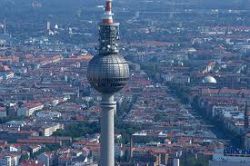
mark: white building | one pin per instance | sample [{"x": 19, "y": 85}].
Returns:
[
  {"x": 48, "y": 114},
  {"x": 5, "y": 161},
  {"x": 225, "y": 111},
  {"x": 221, "y": 159},
  {"x": 9, "y": 160},
  {"x": 247, "y": 141},
  {"x": 176, "y": 162},
  {"x": 29, "y": 108},
  {"x": 3, "y": 112},
  {"x": 49, "y": 129},
  {"x": 46, "y": 158}
]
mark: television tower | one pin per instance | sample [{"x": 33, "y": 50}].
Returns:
[{"x": 108, "y": 73}]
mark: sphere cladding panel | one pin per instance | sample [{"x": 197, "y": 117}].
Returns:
[{"x": 108, "y": 74}]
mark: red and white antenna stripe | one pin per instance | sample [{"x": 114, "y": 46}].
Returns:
[{"x": 108, "y": 15}]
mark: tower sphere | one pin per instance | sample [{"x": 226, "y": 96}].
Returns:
[{"x": 108, "y": 74}]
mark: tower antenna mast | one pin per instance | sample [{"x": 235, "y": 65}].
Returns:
[{"x": 108, "y": 73}]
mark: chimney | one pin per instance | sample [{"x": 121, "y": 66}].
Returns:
[{"x": 131, "y": 148}]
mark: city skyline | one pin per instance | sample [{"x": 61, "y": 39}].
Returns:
[{"x": 161, "y": 82}]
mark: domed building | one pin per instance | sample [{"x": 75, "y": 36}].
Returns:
[{"x": 209, "y": 80}]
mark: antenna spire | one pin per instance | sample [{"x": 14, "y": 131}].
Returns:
[{"x": 108, "y": 15}]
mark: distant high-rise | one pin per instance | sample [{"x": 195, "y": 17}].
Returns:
[
  {"x": 108, "y": 72},
  {"x": 5, "y": 27},
  {"x": 48, "y": 25},
  {"x": 246, "y": 119}
]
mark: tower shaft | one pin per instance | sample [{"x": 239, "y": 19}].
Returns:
[{"x": 108, "y": 106}]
